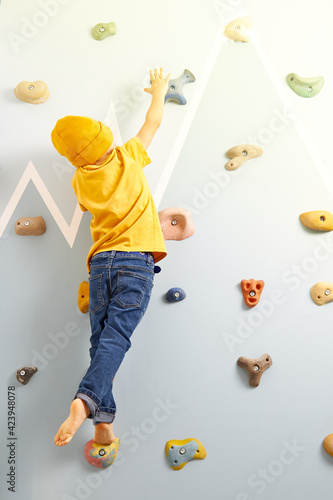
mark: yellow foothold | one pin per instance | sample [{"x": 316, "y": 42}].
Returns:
[
  {"x": 322, "y": 293},
  {"x": 237, "y": 29},
  {"x": 83, "y": 297},
  {"x": 180, "y": 452},
  {"x": 319, "y": 220},
  {"x": 32, "y": 92},
  {"x": 240, "y": 154}
]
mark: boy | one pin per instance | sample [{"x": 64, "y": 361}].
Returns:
[{"x": 128, "y": 239}]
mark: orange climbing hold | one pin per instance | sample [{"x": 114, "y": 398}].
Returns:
[
  {"x": 251, "y": 291},
  {"x": 83, "y": 297}
]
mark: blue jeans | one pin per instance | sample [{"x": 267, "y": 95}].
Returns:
[{"x": 120, "y": 286}]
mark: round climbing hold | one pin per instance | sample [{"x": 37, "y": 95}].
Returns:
[
  {"x": 101, "y": 456},
  {"x": 157, "y": 269},
  {"x": 175, "y": 295},
  {"x": 103, "y": 30},
  {"x": 176, "y": 223},
  {"x": 305, "y": 87},
  {"x": 237, "y": 29},
  {"x": 32, "y": 92},
  {"x": 328, "y": 444}
]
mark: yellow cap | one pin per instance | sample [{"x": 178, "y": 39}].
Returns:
[{"x": 81, "y": 139}]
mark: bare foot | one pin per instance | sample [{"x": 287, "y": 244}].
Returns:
[
  {"x": 104, "y": 434},
  {"x": 78, "y": 413}
]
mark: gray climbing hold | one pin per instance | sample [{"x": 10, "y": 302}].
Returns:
[
  {"x": 25, "y": 373},
  {"x": 175, "y": 295},
  {"x": 175, "y": 91}
]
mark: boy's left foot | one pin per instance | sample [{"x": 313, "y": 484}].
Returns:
[
  {"x": 104, "y": 433},
  {"x": 78, "y": 413}
]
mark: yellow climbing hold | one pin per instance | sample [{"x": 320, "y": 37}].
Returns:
[
  {"x": 322, "y": 293},
  {"x": 237, "y": 29},
  {"x": 180, "y": 452},
  {"x": 319, "y": 220}
]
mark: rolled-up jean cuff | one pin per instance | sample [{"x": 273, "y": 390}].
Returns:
[
  {"x": 89, "y": 402},
  {"x": 103, "y": 417}
]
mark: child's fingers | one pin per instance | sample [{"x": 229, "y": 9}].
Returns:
[
  {"x": 151, "y": 73},
  {"x": 168, "y": 78}
]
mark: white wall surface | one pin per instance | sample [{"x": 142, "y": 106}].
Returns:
[{"x": 261, "y": 443}]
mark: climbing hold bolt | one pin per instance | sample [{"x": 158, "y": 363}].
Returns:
[
  {"x": 175, "y": 90},
  {"x": 175, "y": 295},
  {"x": 240, "y": 154},
  {"x": 237, "y": 29},
  {"x": 319, "y": 220},
  {"x": 25, "y": 373},
  {"x": 101, "y": 455},
  {"x": 255, "y": 367},
  {"x": 180, "y": 452},
  {"x": 305, "y": 87},
  {"x": 83, "y": 297},
  {"x": 321, "y": 293},
  {"x": 251, "y": 291},
  {"x": 32, "y": 92},
  {"x": 30, "y": 226},
  {"x": 103, "y": 30},
  {"x": 176, "y": 223}
]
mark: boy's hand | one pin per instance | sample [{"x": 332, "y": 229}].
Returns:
[{"x": 159, "y": 84}]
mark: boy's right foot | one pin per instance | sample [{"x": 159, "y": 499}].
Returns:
[{"x": 78, "y": 413}]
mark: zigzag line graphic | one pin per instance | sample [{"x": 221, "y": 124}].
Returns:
[{"x": 31, "y": 174}]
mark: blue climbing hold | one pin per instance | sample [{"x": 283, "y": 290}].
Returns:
[
  {"x": 157, "y": 269},
  {"x": 175, "y": 295},
  {"x": 175, "y": 91}
]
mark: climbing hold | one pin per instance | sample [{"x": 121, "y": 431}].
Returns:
[
  {"x": 179, "y": 452},
  {"x": 101, "y": 455},
  {"x": 175, "y": 295},
  {"x": 305, "y": 87},
  {"x": 176, "y": 223},
  {"x": 25, "y": 373},
  {"x": 30, "y": 226},
  {"x": 175, "y": 90},
  {"x": 251, "y": 291},
  {"x": 157, "y": 269},
  {"x": 255, "y": 367},
  {"x": 103, "y": 30},
  {"x": 322, "y": 293},
  {"x": 83, "y": 297},
  {"x": 32, "y": 92},
  {"x": 328, "y": 444},
  {"x": 240, "y": 154},
  {"x": 319, "y": 220},
  {"x": 237, "y": 29}
]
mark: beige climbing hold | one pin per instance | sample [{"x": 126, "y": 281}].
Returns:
[
  {"x": 237, "y": 29},
  {"x": 255, "y": 367},
  {"x": 32, "y": 92},
  {"x": 176, "y": 223},
  {"x": 30, "y": 226},
  {"x": 83, "y": 297},
  {"x": 319, "y": 220},
  {"x": 322, "y": 293},
  {"x": 240, "y": 154}
]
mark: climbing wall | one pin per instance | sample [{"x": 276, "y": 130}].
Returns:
[{"x": 180, "y": 379}]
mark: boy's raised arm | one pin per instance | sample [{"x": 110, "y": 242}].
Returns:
[{"x": 158, "y": 89}]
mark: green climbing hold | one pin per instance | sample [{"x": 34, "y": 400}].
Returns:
[
  {"x": 103, "y": 30},
  {"x": 305, "y": 87}
]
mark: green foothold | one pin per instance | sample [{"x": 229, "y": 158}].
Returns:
[
  {"x": 103, "y": 30},
  {"x": 305, "y": 87}
]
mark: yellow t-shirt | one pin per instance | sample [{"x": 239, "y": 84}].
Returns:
[{"x": 117, "y": 194}]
